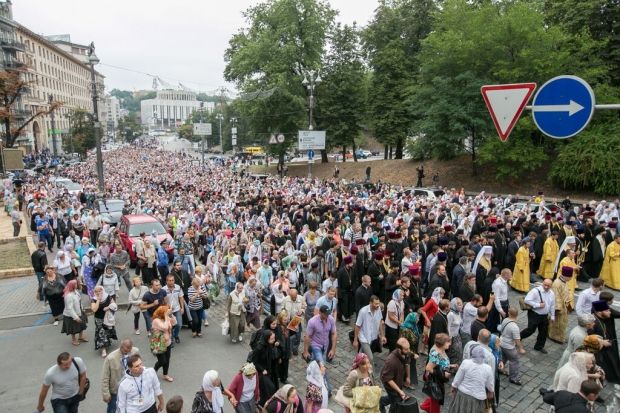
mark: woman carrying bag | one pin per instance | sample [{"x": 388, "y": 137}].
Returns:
[{"x": 436, "y": 374}]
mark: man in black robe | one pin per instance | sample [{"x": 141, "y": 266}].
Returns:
[
  {"x": 345, "y": 288},
  {"x": 604, "y": 326}
]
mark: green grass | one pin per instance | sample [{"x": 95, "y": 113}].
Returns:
[{"x": 14, "y": 254}]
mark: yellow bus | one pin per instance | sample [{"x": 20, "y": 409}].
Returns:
[{"x": 254, "y": 150}]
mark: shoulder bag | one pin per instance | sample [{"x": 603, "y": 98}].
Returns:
[{"x": 86, "y": 384}]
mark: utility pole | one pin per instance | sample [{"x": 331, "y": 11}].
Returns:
[
  {"x": 220, "y": 117},
  {"x": 233, "y": 133},
  {"x": 50, "y": 99},
  {"x": 202, "y": 105},
  {"x": 93, "y": 60},
  {"x": 311, "y": 79}
]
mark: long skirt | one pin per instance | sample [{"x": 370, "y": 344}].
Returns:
[
  {"x": 57, "y": 304},
  {"x": 89, "y": 280},
  {"x": 103, "y": 334},
  {"x": 464, "y": 403},
  {"x": 455, "y": 351},
  {"x": 557, "y": 328},
  {"x": 70, "y": 326}
]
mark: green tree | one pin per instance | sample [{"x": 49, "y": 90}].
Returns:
[
  {"x": 81, "y": 133},
  {"x": 484, "y": 42},
  {"x": 392, "y": 41},
  {"x": 186, "y": 131},
  {"x": 342, "y": 95},
  {"x": 265, "y": 59},
  {"x": 128, "y": 128},
  {"x": 598, "y": 19}
]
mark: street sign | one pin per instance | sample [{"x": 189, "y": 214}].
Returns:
[
  {"x": 310, "y": 155},
  {"x": 311, "y": 139},
  {"x": 234, "y": 140},
  {"x": 505, "y": 104},
  {"x": 563, "y": 106},
  {"x": 202, "y": 129},
  {"x": 273, "y": 140},
  {"x": 233, "y": 131},
  {"x": 280, "y": 138}
]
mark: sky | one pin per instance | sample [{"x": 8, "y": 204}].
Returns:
[{"x": 178, "y": 40}]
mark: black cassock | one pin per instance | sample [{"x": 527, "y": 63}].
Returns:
[{"x": 608, "y": 357}]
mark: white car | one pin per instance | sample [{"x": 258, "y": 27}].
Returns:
[
  {"x": 429, "y": 193},
  {"x": 71, "y": 186}
]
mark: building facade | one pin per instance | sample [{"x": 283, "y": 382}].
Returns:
[
  {"x": 169, "y": 109},
  {"x": 56, "y": 74}
]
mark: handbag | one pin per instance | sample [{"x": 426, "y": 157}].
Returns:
[
  {"x": 341, "y": 399},
  {"x": 524, "y": 306},
  {"x": 365, "y": 398},
  {"x": 141, "y": 263},
  {"x": 86, "y": 383},
  {"x": 206, "y": 303},
  {"x": 157, "y": 342},
  {"x": 433, "y": 390},
  {"x": 199, "y": 405}
]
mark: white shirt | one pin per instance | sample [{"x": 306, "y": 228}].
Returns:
[
  {"x": 585, "y": 300},
  {"x": 173, "y": 296},
  {"x": 130, "y": 388},
  {"x": 474, "y": 379},
  {"x": 533, "y": 299},
  {"x": 500, "y": 289},
  {"x": 369, "y": 323},
  {"x": 470, "y": 312},
  {"x": 329, "y": 283}
]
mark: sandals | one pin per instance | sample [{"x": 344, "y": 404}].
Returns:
[
  {"x": 75, "y": 343},
  {"x": 83, "y": 340},
  {"x": 168, "y": 379}
]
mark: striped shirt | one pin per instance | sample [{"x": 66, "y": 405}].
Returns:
[{"x": 191, "y": 293}]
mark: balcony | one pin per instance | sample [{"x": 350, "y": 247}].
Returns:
[
  {"x": 13, "y": 65},
  {"x": 21, "y": 113},
  {"x": 12, "y": 44}
]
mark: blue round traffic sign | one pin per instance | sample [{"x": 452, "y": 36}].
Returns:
[
  {"x": 310, "y": 154},
  {"x": 563, "y": 106}
]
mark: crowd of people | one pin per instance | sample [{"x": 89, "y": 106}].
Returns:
[{"x": 424, "y": 278}]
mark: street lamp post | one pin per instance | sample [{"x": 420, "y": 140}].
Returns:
[
  {"x": 92, "y": 61},
  {"x": 220, "y": 117},
  {"x": 311, "y": 79},
  {"x": 50, "y": 99},
  {"x": 203, "y": 137},
  {"x": 233, "y": 133}
]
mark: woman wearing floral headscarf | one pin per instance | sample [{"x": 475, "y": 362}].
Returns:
[
  {"x": 245, "y": 389},
  {"x": 286, "y": 400},
  {"x": 395, "y": 317},
  {"x": 316, "y": 392},
  {"x": 409, "y": 330},
  {"x": 360, "y": 375}
]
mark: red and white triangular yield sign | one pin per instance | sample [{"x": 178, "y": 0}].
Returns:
[{"x": 506, "y": 103}]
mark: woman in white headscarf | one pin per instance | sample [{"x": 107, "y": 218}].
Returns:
[
  {"x": 428, "y": 311},
  {"x": 570, "y": 376},
  {"x": 213, "y": 393},
  {"x": 473, "y": 382},
  {"x": 316, "y": 392},
  {"x": 576, "y": 336}
]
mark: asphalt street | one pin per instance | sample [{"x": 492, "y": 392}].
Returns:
[{"x": 29, "y": 352}]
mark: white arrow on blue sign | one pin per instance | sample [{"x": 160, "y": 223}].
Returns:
[
  {"x": 310, "y": 154},
  {"x": 563, "y": 106}
]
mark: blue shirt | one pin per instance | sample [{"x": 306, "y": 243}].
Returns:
[{"x": 162, "y": 257}]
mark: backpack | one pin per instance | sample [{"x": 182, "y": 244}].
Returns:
[
  {"x": 157, "y": 343},
  {"x": 200, "y": 404},
  {"x": 255, "y": 339}
]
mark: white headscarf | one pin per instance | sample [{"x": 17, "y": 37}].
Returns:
[
  {"x": 314, "y": 376},
  {"x": 436, "y": 296},
  {"x": 217, "y": 400}
]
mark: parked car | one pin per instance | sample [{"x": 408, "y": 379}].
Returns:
[
  {"x": 131, "y": 226},
  {"x": 110, "y": 210},
  {"x": 533, "y": 206},
  {"x": 429, "y": 193},
  {"x": 360, "y": 154}
]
